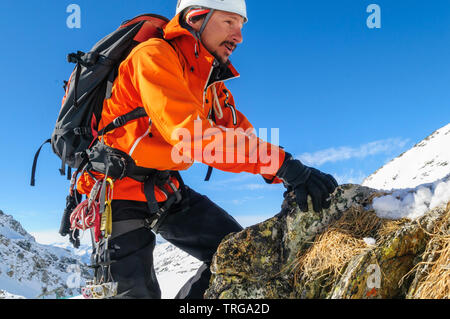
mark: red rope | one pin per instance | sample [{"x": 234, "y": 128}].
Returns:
[{"x": 83, "y": 217}]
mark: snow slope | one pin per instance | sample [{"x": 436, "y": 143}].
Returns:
[{"x": 426, "y": 162}]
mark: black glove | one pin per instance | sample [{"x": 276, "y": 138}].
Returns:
[
  {"x": 71, "y": 203},
  {"x": 306, "y": 181}
]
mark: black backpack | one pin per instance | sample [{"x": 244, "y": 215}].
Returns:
[{"x": 75, "y": 136}]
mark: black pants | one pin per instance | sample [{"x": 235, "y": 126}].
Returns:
[{"x": 197, "y": 226}]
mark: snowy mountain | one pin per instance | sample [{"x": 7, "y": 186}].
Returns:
[
  {"x": 33, "y": 270},
  {"x": 426, "y": 162}
]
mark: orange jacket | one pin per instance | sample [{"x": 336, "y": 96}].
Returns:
[{"x": 170, "y": 82}]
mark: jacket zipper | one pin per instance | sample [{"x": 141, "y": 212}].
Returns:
[{"x": 206, "y": 86}]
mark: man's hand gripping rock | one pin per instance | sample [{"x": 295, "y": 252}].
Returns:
[{"x": 304, "y": 181}]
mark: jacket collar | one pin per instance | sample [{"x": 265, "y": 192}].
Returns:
[{"x": 196, "y": 54}]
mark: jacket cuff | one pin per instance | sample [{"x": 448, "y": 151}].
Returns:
[
  {"x": 282, "y": 169},
  {"x": 271, "y": 179}
]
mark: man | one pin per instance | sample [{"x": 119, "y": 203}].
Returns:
[{"x": 179, "y": 82}]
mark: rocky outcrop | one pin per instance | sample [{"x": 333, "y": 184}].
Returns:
[{"x": 345, "y": 251}]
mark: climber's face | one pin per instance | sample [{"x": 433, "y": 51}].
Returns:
[{"x": 222, "y": 34}]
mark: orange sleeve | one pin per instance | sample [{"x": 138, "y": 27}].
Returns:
[{"x": 177, "y": 113}]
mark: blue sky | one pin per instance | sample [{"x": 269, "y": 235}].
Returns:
[{"x": 346, "y": 98}]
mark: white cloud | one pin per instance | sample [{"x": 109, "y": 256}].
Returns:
[
  {"x": 346, "y": 152},
  {"x": 252, "y": 187},
  {"x": 238, "y": 201},
  {"x": 350, "y": 177}
]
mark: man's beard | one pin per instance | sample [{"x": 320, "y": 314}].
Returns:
[{"x": 219, "y": 58}]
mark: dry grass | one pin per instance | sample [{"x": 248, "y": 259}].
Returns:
[
  {"x": 436, "y": 283},
  {"x": 337, "y": 245},
  {"x": 342, "y": 241}
]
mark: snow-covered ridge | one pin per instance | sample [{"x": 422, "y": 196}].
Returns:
[{"x": 426, "y": 162}]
